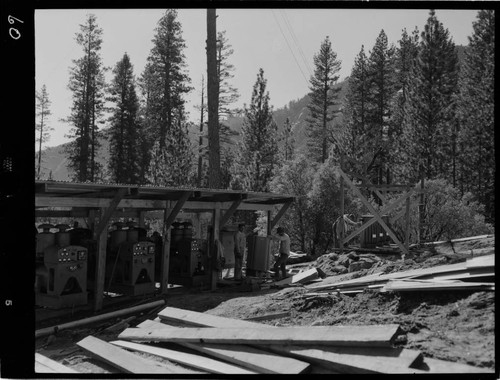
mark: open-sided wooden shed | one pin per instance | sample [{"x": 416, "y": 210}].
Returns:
[{"x": 100, "y": 202}]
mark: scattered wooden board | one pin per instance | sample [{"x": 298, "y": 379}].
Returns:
[
  {"x": 250, "y": 357},
  {"x": 302, "y": 277},
  {"x": 372, "y": 335},
  {"x": 268, "y": 317},
  {"x": 406, "y": 285},
  {"x": 358, "y": 359},
  {"x": 431, "y": 365},
  {"x": 193, "y": 318},
  {"x": 122, "y": 359},
  {"x": 481, "y": 261},
  {"x": 45, "y": 365},
  {"x": 196, "y": 361}
]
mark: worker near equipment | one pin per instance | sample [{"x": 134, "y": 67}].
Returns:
[
  {"x": 239, "y": 250},
  {"x": 284, "y": 252}
]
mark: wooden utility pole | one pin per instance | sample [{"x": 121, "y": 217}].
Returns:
[
  {"x": 200, "y": 140},
  {"x": 214, "y": 176}
]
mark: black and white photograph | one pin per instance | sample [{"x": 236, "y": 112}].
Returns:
[{"x": 299, "y": 189}]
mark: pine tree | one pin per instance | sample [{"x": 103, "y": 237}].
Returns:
[
  {"x": 124, "y": 129},
  {"x": 228, "y": 94},
  {"x": 287, "y": 141},
  {"x": 381, "y": 65},
  {"x": 476, "y": 113},
  {"x": 353, "y": 141},
  {"x": 164, "y": 83},
  {"x": 42, "y": 127},
  {"x": 166, "y": 77},
  {"x": 323, "y": 99},
  {"x": 406, "y": 56},
  {"x": 258, "y": 153},
  {"x": 87, "y": 84},
  {"x": 428, "y": 116},
  {"x": 146, "y": 116},
  {"x": 173, "y": 166}
]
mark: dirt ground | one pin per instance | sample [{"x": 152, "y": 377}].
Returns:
[{"x": 457, "y": 326}]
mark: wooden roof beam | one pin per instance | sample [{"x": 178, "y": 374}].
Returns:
[
  {"x": 280, "y": 214},
  {"x": 224, "y": 219},
  {"x": 108, "y": 212}
]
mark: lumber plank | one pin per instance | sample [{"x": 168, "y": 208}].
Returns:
[
  {"x": 250, "y": 357},
  {"x": 431, "y": 365},
  {"x": 44, "y": 364},
  {"x": 196, "y": 361},
  {"x": 437, "y": 286},
  {"x": 481, "y": 261},
  {"x": 372, "y": 335},
  {"x": 193, "y": 318},
  {"x": 49, "y": 330},
  {"x": 268, "y": 317},
  {"x": 122, "y": 359},
  {"x": 377, "y": 277},
  {"x": 358, "y": 359},
  {"x": 302, "y": 278}
]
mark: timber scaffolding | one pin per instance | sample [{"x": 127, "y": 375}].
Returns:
[{"x": 98, "y": 203}]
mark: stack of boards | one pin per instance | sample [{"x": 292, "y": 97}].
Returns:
[
  {"x": 199, "y": 343},
  {"x": 477, "y": 274}
]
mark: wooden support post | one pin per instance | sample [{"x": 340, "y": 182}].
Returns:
[
  {"x": 107, "y": 212},
  {"x": 342, "y": 232},
  {"x": 421, "y": 208},
  {"x": 213, "y": 247},
  {"x": 91, "y": 220},
  {"x": 102, "y": 241},
  {"x": 101, "y": 235},
  {"x": 407, "y": 223},
  {"x": 375, "y": 213},
  {"x": 142, "y": 214},
  {"x": 269, "y": 225},
  {"x": 169, "y": 216},
  {"x": 224, "y": 219},
  {"x": 165, "y": 256},
  {"x": 280, "y": 214}
]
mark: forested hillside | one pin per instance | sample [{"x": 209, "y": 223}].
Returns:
[{"x": 412, "y": 111}]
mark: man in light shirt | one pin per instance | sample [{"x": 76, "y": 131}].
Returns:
[
  {"x": 284, "y": 252},
  {"x": 239, "y": 250}
]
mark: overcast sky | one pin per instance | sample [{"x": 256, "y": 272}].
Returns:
[{"x": 280, "y": 41}]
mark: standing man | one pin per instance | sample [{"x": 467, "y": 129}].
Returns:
[
  {"x": 284, "y": 252},
  {"x": 239, "y": 250}
]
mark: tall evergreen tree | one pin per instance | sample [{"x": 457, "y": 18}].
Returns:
[
  {"x": 382, "y": 84},
  {"x": 87, "y": 84},
  {"x": 476, "y": 113},
  {"x": 42, "y": 126},
  {"x": 166, "y": 77},
  {"x": 323, "y": 99},
  {"x": 124, "y": 130},
  {"x": 172, "y": 166},
  {"x": 406, "y": 56},
  {"x": 258, "y": 154},
  {"x": 146, "y": 116},
  {"x": 353, "y": 142},
  {"x": 428, "y": 109},
  {"x": 164, "y": 83},
  {"x": 287, "y": 141},
  {"x": 228, "y": 94}
]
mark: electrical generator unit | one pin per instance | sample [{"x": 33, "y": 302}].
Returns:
[
  {"x": 130, "y": 268},
  {"x": 188, "y": 258},
  {"x": 258, "y": 258},
  {"x": 61, "y": 279}
]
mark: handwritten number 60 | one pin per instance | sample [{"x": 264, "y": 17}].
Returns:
[{"x": 13, "y": 32}]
